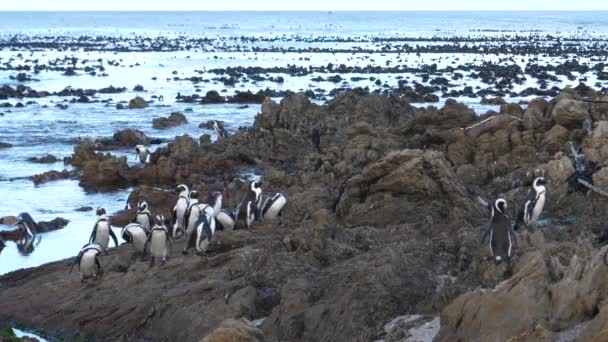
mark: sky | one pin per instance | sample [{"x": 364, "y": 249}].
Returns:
[{"x": 322, "y": 5}]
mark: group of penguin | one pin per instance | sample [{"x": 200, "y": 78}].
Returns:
[
  {"x": 192, "y": 219},
  {"x": 500, "y": 232}
]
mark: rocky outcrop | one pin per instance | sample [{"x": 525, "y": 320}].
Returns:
[
  {"x": 137, "y": 103},
  {"x": 232, "y": 330},
  {"x": 43, "y": 227},
  {"x": 570, "y": 113},
  {"x": 130, "y": 138},
  {"x": 46, "y": 159},
  {"x": 175, "y": 119},
  {"x": 54, "y": 175}
]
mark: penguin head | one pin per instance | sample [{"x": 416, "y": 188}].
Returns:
[
  {"x": 142, "y": 205},
  {"x": 255, "y": 185},
  {"x": 181, "y": 188},
  {"x": 500, "y": 205},
  {"x": 216, "y": 125},
  {"x": 101, "y": 211},
  {"x": 540, "y": 181},
  {"x": 193, "y": 194},
  {"x": 159, "y": 220},
  {"x": 214, "y": 196}
]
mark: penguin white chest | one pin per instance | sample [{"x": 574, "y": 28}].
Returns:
[
  {"x": 143, "y": 155},
  {"x": 144, "y": 220},
  {"x": 102, "y": 236},
  {"x": 538, "y": 207},
  {"x": 88, "y": 267},
  {"x": 158, "y": 245},
  {"x": 139, "y": 239},
  {"x": 275, "y": 208}
]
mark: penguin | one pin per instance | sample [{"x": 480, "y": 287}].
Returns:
[
  {"x": 137, "y": 235},
  {"x": 88, "y": 261},
  {"x": 159, "y": 241},
  {"x": 247, "y": 211},
  {"x": 192, "y": 211},
  {"x": 500, "y": 232},
  {"x": 102, "y": 230},
  {"x": 27, "y": 225},
  {"x": 219, "y": 129},
  {"x": 142, "y": 152},
  {"x": 212, "y": 207},
  {"x": 202, "y": 235},
  {"x": 179, "y": 211},
  {"x": 225, "y": 219},
  {"x": 535, "y": 202},
  {"x": 272, "y": 207},
  {"x": 203, "y": 228},
  {"x": 143, "y": 216}
]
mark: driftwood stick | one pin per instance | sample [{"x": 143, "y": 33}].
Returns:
[{"x": 591, "y": 187}]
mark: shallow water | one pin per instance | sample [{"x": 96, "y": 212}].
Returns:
[{"x": 35, "y": 130}]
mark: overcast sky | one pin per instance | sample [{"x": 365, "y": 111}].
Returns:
[{"x": 264, "y": 5}]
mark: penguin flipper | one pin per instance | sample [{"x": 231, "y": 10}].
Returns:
[
  {"x": 98, "y": 264},
  {"x": 513, "y": 237},
  {"x": 93, "y": 234},
  {"x": 486, "y": 234},
  {"x": 113, "y": 237},
  {"x": 76, "y": 261}
]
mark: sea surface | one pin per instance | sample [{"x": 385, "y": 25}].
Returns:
[{"x": 231, "y": 39}]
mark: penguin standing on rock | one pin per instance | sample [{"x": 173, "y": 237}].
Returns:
[
  {"x": 225, "y": 219},
  {"x": 88, "y": 261},
  {"x": 179, "y": 211},
  {"x": 159, "y": 241},
  {"x": 142, "y": 152},
  {"x": 500, "y": 232},
  {"x": 272, "y": 207},
  {"x": 144, "y": 216},
  {"x": 27, "y": 225},
  {"x": 219, "y": 129},
  {"x": 102, "y": 231},
  {"x": 137, "y": 235},
  {"x": 192, "y": 211},
  {"x": 535, "y": 202},
  {"x": 205, "y": 224},
  {"x": 248, "y": 209}
]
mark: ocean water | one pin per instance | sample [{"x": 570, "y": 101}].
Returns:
[{"x": 231, "y": 39}]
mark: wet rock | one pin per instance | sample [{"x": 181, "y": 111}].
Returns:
[
  {"x": 106, "y": 173},
  {"x": 497, "y": 101},
  {"x": 247, "y": 97},
  {"x": 54, "y": 175},
  {"x": 129, "y": 138},
  {"x": 233, "y": 330},
  {"x": 138, "y": 87},
  {"x": 5, "y": 145},
  {"x": 212, "y": 96},
  {"x": 47, "y": 159},
  {"x": 137, "y": 103},
  {"x": 120, "y": 106},
  {"x": 570, "y": 113},
  {"x": 175, "y": 119},
  {"x": 8, "y": 220},
  {"x": 55, "y": 224},
  {"x": 84, "y": 209}
]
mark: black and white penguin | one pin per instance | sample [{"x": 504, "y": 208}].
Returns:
[
  {"x": 137, "y": 235},
  {"x": 203, "y": 234},
  {"x": 209, "y": 212},
  {"x": 535, "y": 202},
  {"x": 159, "y": 241},
  {"x": 192, "y": 211},
  {"x": 500, "y": 232},
  {"x": 144, "y": 216},
  {"x": 178, "y": 227},
  {"x": 88, "y": 261},
  {"x": 272, "y": 207},
  {"x": 219, "y": 129},
  {"x": 27, "y": 225},
  {"x": 225, "y": 219},
  {"x": 102, "y": 231},
  {"x": 247, "y": 211},
  {"x": 142, "y": 152}
]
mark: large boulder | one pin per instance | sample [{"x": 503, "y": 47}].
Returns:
[
  {"x": 175, "y": 119},
  {"x": 137, "y": 103},
  {"x": 537, "y": 115},
  {"x": 595, "y": 146},
  {"x": 129, "y": 137},
  {"x": 555, "y": 139},
  {"x": 235, "y": 330},
  {"x": 570, "y": 113},
  {"x": 213, "y": 96}
]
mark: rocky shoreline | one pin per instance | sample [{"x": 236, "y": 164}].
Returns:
[{"x": 383, "y": 221}]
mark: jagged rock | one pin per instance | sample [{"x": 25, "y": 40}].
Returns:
[
  {"x": 47, "y": 159},
  {"x": 137, "y": 103},
  {"x": 54, "y": 175},
  {"x": 175, "y": 119},
  {"x": 570, "y": 113},
  {"x": 555, "y": 139},
  {"x": 595, "y": 147},
  {"x": 537, "y": 115}
]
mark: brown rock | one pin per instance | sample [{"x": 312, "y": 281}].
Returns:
[
  {"x": 8, "y": 220},
  {"x": 570, "y": 113},
  {"x": 555, "y": 139},
  {"x": 137, "y": 103},
  {"x": 129, "y": 137},
  {"x": 175, "y": 119},
  {"x": 232, "y": 330},
  {"x": 537, "y": 115}
]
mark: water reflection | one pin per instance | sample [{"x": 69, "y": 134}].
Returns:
[{"x": 27, "y": 244}]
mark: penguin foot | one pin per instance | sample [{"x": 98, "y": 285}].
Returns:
[{"x": 185, "y": 252}]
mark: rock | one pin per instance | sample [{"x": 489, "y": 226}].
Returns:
[
  {"x": 232, "y": 330},
  {"x": 537, "y": 115},
  {"x": 129, "y": 138},
  {"x": 8, "y": 220},
  {"x": 497, "y": 101},
  {"x": 138, "y": 87},
  {"x": 175, "y": 119},
  {"x": 106, "y": 173},
  {"x": 212, "y": 96},
  {"x": 5, "y": 145},
  {"x": 595, "y": 147},
  {"x": 120, "y": 106},
  {"x": 555, "y": 139},
  {"x": 47, "y": 159},
  {"x": 512, "y": 109},
  {"x": 55, "y": 224},
  {"x": 54, "y": 175},
  {"x": 600, "y": 178},
  {"x": 137, "y": 103},
  {"x": 83, "y": 209},
  {"x": 570, "y": 113},
  {"x": 247, "y": 97},
  {"x": 557, "y": 173}
]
